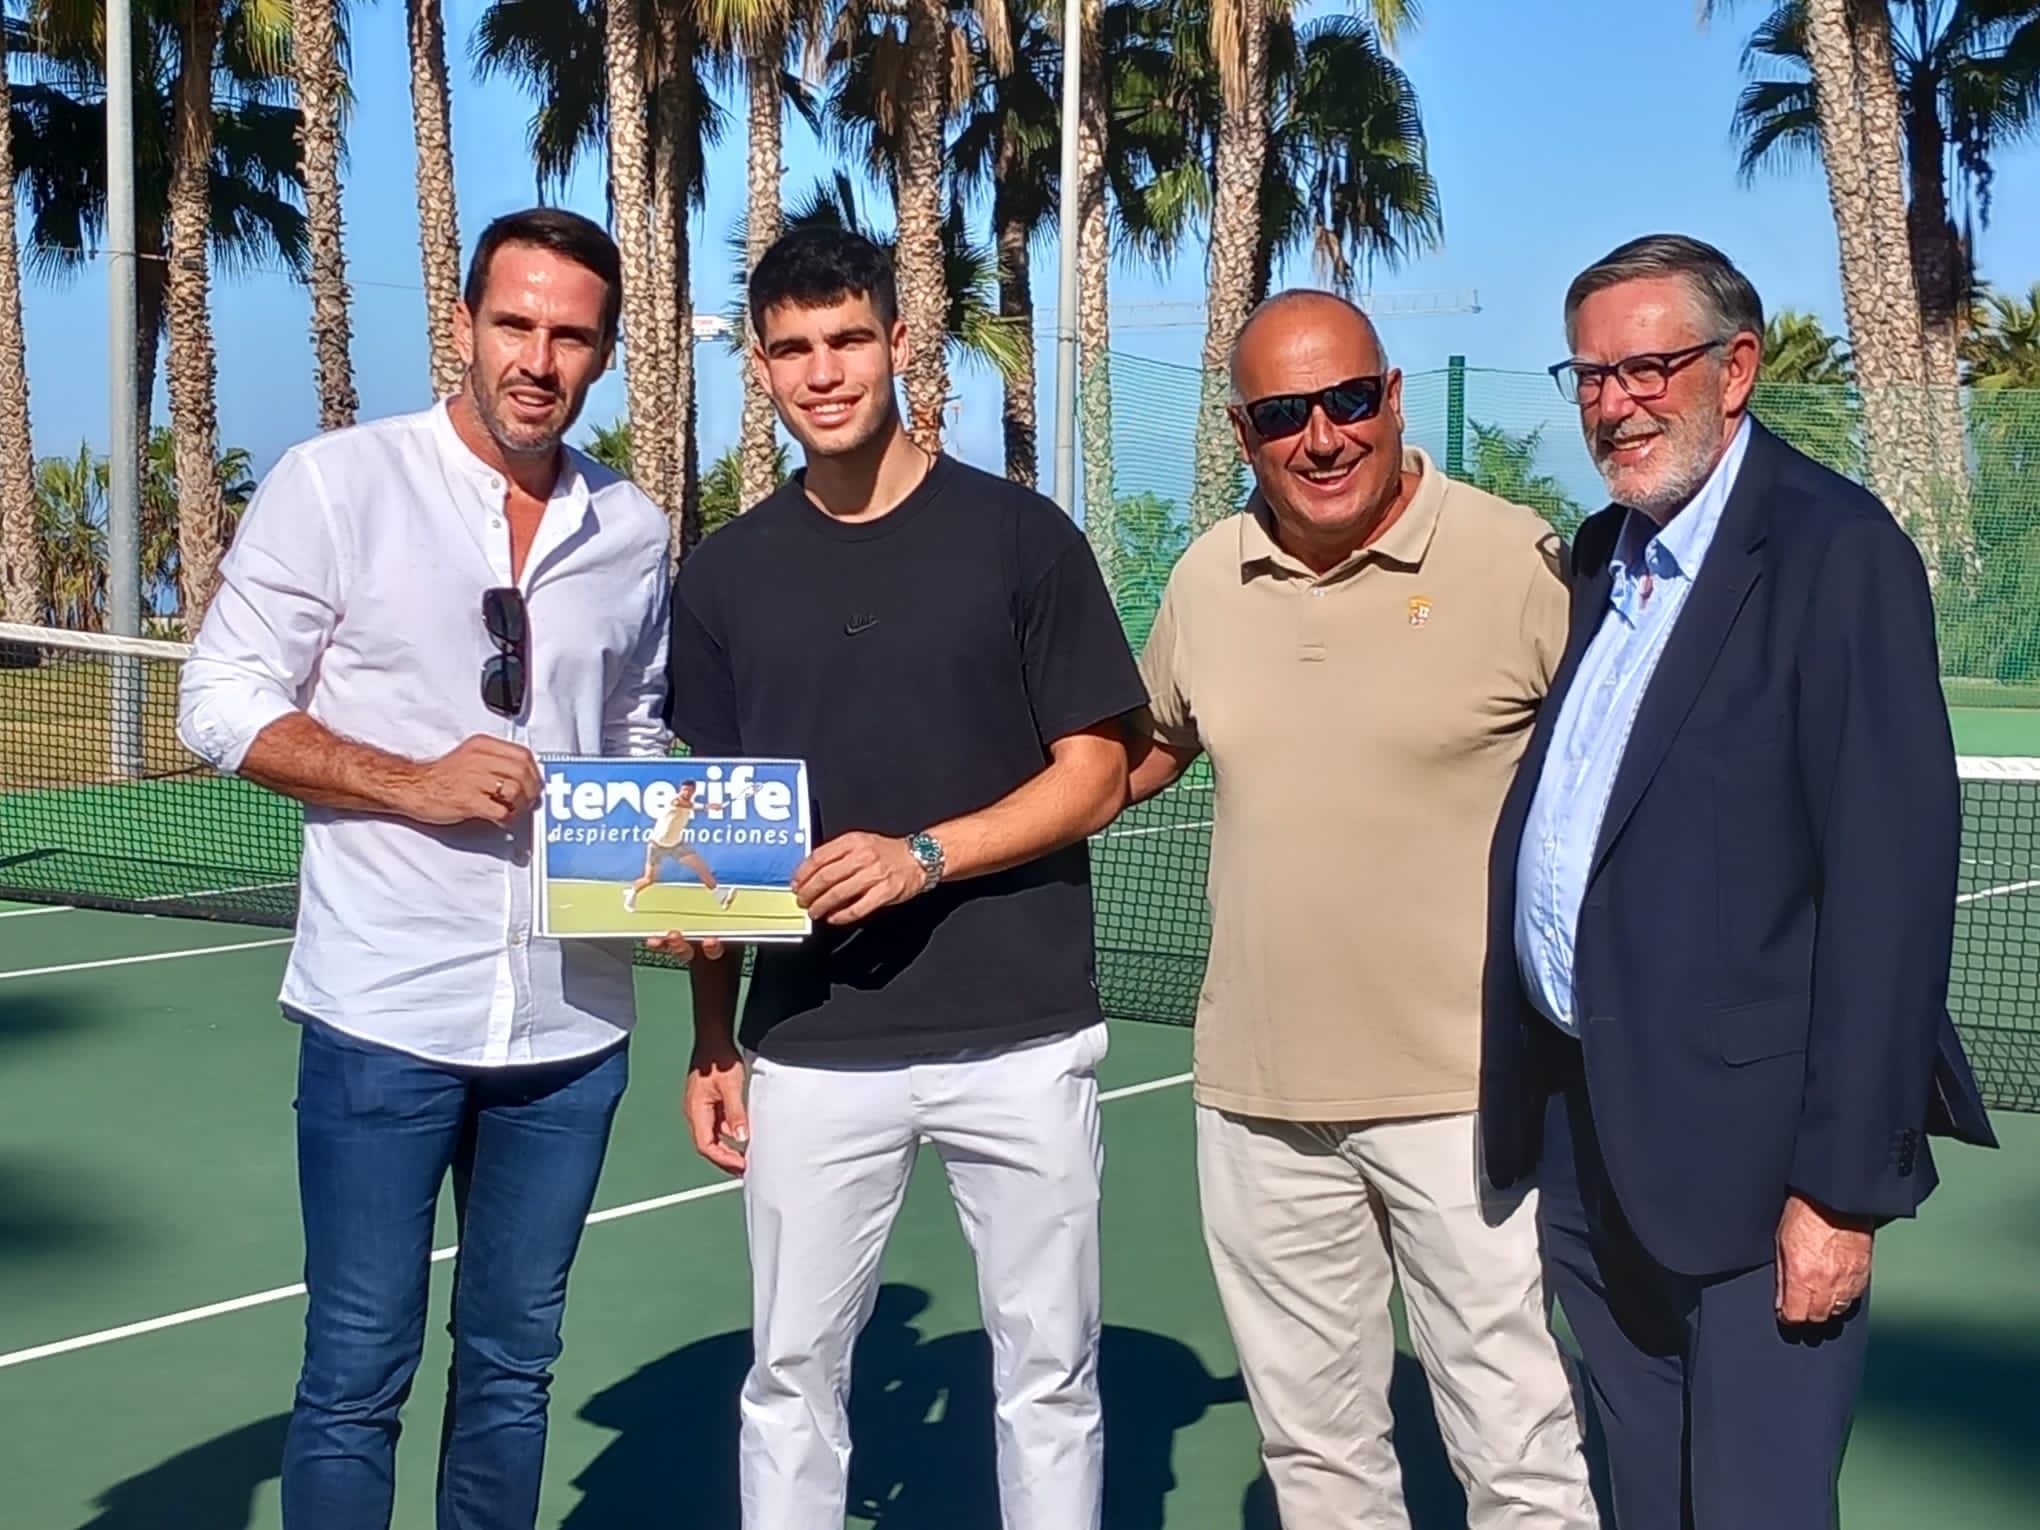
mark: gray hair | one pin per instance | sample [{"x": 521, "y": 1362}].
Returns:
[
  {"x": 1283, "y": 299},
  {"x": 1728, "y": 303}
]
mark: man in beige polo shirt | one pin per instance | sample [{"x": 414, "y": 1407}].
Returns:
[{"x": 1361, "y": 655}]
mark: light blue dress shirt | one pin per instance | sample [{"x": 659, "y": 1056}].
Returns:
[{"x": 1652, "y": 571}]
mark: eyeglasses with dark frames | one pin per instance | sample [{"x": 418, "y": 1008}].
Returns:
[
  {"x": 1281, "y": 415},
  {"x": 1644, "y": 376},
  {"x": 505, "y": 673}
]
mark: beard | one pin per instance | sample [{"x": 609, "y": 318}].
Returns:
[
  {"x": 1688, "y": 446},
  {"x": 516, "y": 437}
]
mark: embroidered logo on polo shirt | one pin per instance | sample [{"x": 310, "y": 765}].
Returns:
[{"x": 1420, "y": 610}]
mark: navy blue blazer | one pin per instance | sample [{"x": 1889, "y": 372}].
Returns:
[{"x": 1762, "y": 957}]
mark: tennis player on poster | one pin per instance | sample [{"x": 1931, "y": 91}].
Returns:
[{"x": 671, "y": 839}]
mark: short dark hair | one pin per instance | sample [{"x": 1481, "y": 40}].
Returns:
[
  {"x": 1728, "y": 300},
  {"x": 579, "y": 239},
  {"x": 816, "y": 266}
]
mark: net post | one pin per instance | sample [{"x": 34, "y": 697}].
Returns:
[
  {"x": 124, "y": 447},
  {"x": 1455, "y": 416}
]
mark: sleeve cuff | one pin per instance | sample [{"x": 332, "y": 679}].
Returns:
[{"x": 221, "y": 736}]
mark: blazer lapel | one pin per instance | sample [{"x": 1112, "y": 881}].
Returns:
[{"x": 1724, "y": 582}]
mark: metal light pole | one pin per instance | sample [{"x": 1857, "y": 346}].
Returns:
[
  {"x": 123, "y": 508},
  {"x": 1066, "y": 258}
]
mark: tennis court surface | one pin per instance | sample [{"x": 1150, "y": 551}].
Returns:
[{"x": 150, "y": 1320}]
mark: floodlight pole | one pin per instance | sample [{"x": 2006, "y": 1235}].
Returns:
[
  {"x": 1067, "y": 239},
  {"x": 124, "y": 449}
]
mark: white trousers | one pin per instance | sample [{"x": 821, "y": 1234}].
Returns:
[
  {"x": 831, "y": 1150},
  {"x": 1307, "y": 1226}
]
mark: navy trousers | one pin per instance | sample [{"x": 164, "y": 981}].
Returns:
[{"x": 1716, "y": 1415}]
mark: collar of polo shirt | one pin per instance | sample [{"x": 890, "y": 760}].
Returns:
[{"x": 1404, "y": 543}]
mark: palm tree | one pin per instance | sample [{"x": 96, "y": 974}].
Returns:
[
  {"x": 251, "y": 182},
  {"x": 1799, "y": 349},
  {"x": 202, "y": 524},
  {"x": 1239, "y": 51},
  {"x": 438, "y": 216},
  {"x": 628, "y": 114},
  {"x": 1094, "y": 283},
  {"x": 1010, "y": 139},
  {"x": 1859, "y": 130},
  {"x": 2003, "y": 350},
  {"x": 70, "y": 501},
  {"x": 903, "y": 63},
  {"x": 1291, "y": 137},
  {"x": 1968, "y": 76},
  {"x": 636, "y": 83},
  {"x": 21, "y": 561},
  {"x": 755, "y": 38},
  {"x": 321, "y": 93},
  {"x": 1505, "y": 464}
]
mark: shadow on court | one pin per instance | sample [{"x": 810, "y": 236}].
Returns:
[
  {"x": 209, "y": 1487},
  {"x": 44, "y": 1216},
  {"x": 920, "y": 1420},
  {"x": 1968, "y": 1387},
  {"x": 26, "y": 1019}
]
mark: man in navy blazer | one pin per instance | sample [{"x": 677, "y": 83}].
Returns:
[{"x": 1724, "y": 891}]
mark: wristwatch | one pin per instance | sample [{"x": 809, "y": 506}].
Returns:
[{"x": 928, "y": 851}]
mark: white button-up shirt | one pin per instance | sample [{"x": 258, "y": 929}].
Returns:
[{"x": 353, "y": 592}]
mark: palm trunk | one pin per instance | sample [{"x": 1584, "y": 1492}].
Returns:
[
  {"x": 438, "y": 217},
  {"x": 1094, "y": 316},
  {"x": 1235, "y": 232},
  {"x": 1016, "y": 305},
  {"x": 152, "y": 287},
  {"x": 758, "y": 435},
  {"x": 924, "y": 291},
  {"x": 673, "y": 166},
  {"x": 23, "y": 569},
  {"x": 1941, "y": 274},
  {"x": 314, "y": 57},
  {"x": 1878, "y": 295},
  {"x": 201, "y": 516},
  {"x": 630, "y": 196}
]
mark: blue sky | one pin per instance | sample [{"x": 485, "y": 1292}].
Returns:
[{"x": 1556, "y": 131}]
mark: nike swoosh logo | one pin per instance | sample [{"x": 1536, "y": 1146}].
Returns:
[{"x": 858, "y": 624}]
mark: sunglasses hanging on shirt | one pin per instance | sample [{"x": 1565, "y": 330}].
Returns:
[{"x": 504, "y": 674}]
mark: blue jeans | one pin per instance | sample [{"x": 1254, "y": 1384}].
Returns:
[{"x": 377, "y": 1133}]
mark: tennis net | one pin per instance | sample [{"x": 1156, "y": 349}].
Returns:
[{"x": 102, "y": 807}]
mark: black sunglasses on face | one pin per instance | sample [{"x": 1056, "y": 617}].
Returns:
[
  {"x": 503, "y": 675},
  {"x": 1285, "y": 414}
]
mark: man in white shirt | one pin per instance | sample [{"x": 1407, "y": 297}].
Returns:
[{"x": 412, "y": 610}]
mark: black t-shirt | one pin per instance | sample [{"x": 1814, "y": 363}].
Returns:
[{"x": 921, "y": 663}]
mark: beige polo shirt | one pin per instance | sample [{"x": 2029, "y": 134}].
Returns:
[{"x": 1362, "y": 726}]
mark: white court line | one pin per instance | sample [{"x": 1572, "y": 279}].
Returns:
[
  {"x": 153, "y": 956},
  {"x": 30, "y": 913},
  {"x": 439, "y": 1256},
  {"x": 1164, "y": 828},
  {"x": 1997, "y": 892}
]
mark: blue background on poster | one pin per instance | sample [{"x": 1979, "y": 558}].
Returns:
[{"x": 616, "y": 850}]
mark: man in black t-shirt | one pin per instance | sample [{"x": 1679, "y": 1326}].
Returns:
[{"x": 939, "y": 647}]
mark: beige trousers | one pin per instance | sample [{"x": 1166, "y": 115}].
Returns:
[{"x": 1307, "y": 1225}]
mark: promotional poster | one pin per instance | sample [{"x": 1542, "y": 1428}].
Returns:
[{"x": 627, "y": 848}]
